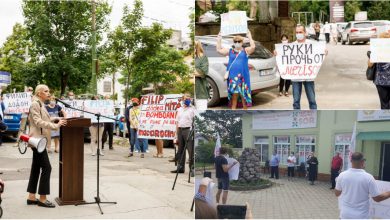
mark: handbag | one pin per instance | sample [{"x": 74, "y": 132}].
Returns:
[
  {"x": 226, "y": 76},
  {"x": 370, "y": 72}
]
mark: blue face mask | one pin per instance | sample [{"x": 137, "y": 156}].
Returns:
[{"x": 187, "y": 102}]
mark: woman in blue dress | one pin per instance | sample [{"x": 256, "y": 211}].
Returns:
[
  {"x": 238, "y": 75},
  {"x": 56, "y": 112}
]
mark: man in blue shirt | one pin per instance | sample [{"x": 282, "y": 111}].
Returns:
[{"x": 274, "y": 164}]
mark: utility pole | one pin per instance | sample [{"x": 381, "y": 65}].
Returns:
[{"x": 93, "y": 86}]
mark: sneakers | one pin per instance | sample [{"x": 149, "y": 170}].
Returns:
[
  {"x": 93, "y": 154},
  {"x": 101, "y": 153}
]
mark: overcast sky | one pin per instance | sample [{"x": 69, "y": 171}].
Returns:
[{"x": 170, "y": 13}]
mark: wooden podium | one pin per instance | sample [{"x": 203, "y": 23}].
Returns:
[{"x": 71, "y": 179}]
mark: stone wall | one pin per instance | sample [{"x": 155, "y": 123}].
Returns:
[{"x": 266, "y": 33}]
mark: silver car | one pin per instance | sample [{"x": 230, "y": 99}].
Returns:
[
  {"x": 262, "y": 67},
  {"x": 358, "y": 31}
]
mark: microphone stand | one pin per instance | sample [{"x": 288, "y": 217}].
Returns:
[{"x": 98, "y": 115}]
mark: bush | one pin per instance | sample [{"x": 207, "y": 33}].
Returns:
[{"x": 204, "y": 153}]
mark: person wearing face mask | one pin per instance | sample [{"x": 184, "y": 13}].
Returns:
[
  {"x": 134, "y": 124},
  {"x": 238, "y": 75},
  {"x": 284, "y": 83},
  {"x": 54, "y": 111},
  {"x": 291, "y": 160},
  {"x": 308, "y": 84},
  {"x": 70, "y": 95},
  {"x": 184, "y": 118}
]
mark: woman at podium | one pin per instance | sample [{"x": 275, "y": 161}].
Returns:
[{"x": 40, "y": 126}]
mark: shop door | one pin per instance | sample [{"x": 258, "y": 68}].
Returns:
[{"x": 385, "y": 172}]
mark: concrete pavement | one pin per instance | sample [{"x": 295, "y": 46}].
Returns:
[
  {"x": 295, "y": 199},
  {"x": 142, "y": 187}
]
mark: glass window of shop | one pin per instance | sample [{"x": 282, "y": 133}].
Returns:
[
  {"x": 261, "y": 143},
  {"x": 342, "y": 145},
  {"x": 304, "y": 145},
  {"x": 282, "y": 147}
]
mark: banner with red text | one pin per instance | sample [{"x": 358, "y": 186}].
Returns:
[
  {"x": 158, "y": 116},
  {"x": 300, "y": 61}
]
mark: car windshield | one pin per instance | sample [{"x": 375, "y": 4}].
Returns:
[
  {"x": 260, "y": 51},
  {"x": 363, "y": 25},
  {"x": 379, "y": 23}
]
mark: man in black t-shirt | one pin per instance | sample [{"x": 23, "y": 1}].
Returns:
[{"x": 221, "y": 169}]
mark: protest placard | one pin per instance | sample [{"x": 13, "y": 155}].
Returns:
[
  {"x": 300, "y": 61},
  {"x": 104, "y": 107},
  {"x": 71, "y": 113},
  {"x": 381, "y": 210},
  {"x": 380, "y": 48},
  {"x": 234, "y": 22},
  {"x": 17, "y": 102},
  {"x": 158, "y": 116}
]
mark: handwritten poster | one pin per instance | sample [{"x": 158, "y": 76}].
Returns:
[{"x": 300, "y": 61}]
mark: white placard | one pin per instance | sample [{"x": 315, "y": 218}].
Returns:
[
  {"x": 71, "y": 113},
  {"x": 104, "y": 107},
  {"x": 381, "y": 210},
  {"x": 300, "y": 61},
  {"x": 373, "y": 115},
  {"x": 234, "y": 22},
  {"x": 235, "y": 170},
  {"x": 285, "y": 120},
  {"x": 380, "y": 48},
  {"x": 17, "y": 102},
  {"x": 158, "y": 116}
]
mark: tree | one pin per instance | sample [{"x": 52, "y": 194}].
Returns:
[
  {"x": 351, "y": 8},
  {"x": 227, "y": 123},
  {"x": 15, "y": 53},
  {"x": 380, "y": 10},
  {"x": 61, "y": 32}
]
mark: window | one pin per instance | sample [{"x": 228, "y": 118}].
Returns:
[
  {"x": 106, "y": 86},
  {"x": 304, "y": 145},
  {"x": 282, "y": 147},
  {"x": 261, "y": 143},
  {"x": 342, "y": 145},
  {"x": 211, "y": 50}
]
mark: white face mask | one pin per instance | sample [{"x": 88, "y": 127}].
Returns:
[
  {"x": 237, "y": 46},
  {"x": 71, "y": 97},
  {"x": 284, "y": 41},
  {"x": 300, "y": 36}
]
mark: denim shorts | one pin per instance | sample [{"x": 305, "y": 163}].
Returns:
[{"x": 223, "y": 183}]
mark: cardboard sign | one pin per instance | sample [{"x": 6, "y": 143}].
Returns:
[
  {"x": 17, "y": 102},
  {"x": 381, "y": 210},
  {"x": 158, "y": 116},
  {"x": 104, "y": 107},
  {"x": 71, "y": 113},
  {"x": 300, "y": 61},
  {"x": 380, "y": 48},
  {"x": 234, "y": 22}
]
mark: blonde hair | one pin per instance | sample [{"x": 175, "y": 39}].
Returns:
[
  {"x": 384, "y": 35},
  {"x": 198, "y": 49},
  {"x": 40, "y": 88}
]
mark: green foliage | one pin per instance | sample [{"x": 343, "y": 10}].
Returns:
[
  {"x": 205, "y": 153},
  {"x": 309, "y": 6},
  {"x": 351, "y": 8},
  {"x": 380, "y": 10},
  {"x": 61, "y": 33},
  {"x": 226, "y": 123}
]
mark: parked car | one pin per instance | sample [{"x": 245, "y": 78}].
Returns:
[
  {"x": 358, "y": 31},
  {"x": 13, "y": 123},
  {"x": 381, "y": 26},
  {"x": 262, "y": 67},
  {"x": 340, "y": 28}
]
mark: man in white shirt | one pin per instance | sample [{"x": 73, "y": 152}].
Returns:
[
  {"x": 291, "y": 160},
  {"x": 356, "y": 187},
  {"x": 326, "y": 30},
  {"x": 184, "y": 118}
]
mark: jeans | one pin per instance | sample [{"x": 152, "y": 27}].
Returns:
[
  {"x": 134, "y": 140},
  {"x": 290, "y": 171},
  {"x": 310, "y": 94}
]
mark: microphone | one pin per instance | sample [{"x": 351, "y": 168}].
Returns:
[{"x": 64, "y": 103}]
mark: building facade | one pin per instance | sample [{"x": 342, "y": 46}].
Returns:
[{"x": 323, "y": 132}]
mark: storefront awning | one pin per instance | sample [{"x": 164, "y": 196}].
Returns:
[{"x": 378, "y": 136}]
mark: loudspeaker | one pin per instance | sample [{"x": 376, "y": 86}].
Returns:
[
  {"x": 231, "y": 211},
  {"x": 39, "y": 142}
]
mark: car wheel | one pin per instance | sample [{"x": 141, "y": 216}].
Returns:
[
  {"x": 349, "y": 41},
  {"x": 342, "y": 41},
  {"x": 213, "y": 93}
]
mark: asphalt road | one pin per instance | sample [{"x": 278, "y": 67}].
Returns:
[{"x": 341, "y": 84}]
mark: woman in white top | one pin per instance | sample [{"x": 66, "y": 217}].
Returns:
[{"x": 291, "y": 160}]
